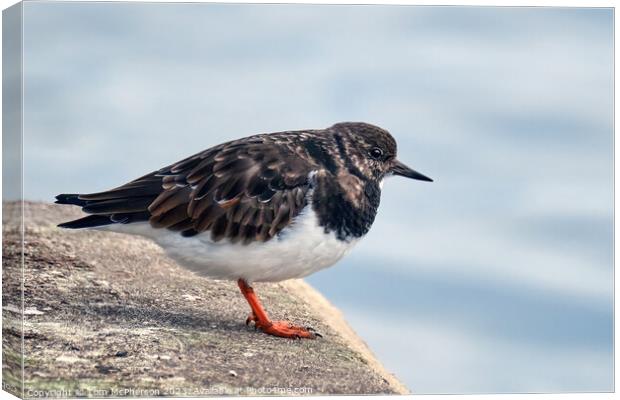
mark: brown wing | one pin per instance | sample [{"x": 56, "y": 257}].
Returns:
[{"x": 246, "y": 190}]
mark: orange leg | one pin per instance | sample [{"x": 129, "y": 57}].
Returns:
[{"x": 262, "y": 321}]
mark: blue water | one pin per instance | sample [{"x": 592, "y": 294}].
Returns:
[{"x": 497, "y": 277}]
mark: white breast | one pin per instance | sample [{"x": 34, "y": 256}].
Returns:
[{"x": 299, "y": 250}]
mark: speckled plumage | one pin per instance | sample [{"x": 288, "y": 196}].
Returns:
[{"x": 253, "y": 190}]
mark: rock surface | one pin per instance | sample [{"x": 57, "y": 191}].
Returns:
[{"x": 107, "y": 314}]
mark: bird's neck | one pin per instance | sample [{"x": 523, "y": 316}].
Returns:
[{"x": 345, "y": 205}]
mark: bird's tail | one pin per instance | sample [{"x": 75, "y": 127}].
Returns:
[
  {"x": 89, "y": 221},
  {"x": 122, "y": 205},
  {"x": 70, "y": 199},
  {"x": 105, "y": 211}
]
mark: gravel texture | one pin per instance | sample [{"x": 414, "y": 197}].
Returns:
[{"x": 107, "y": 314}]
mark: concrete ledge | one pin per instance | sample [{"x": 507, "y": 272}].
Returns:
[{"x": 107, "y": 314}]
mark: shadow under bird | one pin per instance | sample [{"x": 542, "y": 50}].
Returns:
[{"x": 264, "y": 208}]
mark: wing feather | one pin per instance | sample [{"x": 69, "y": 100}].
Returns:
[{"x": 245, "y": 190}]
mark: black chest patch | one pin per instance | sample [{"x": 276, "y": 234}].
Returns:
[{"x": 337, "y": 214}]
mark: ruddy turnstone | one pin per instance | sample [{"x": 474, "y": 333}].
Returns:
[{"x": 264, "y": 208}]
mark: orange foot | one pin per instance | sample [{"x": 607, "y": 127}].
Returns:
[
  {"x": 287, "y": 330},
  {"x": 276, "y": 328}
]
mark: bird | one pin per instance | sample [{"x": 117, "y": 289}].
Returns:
[{"x": 264, "y": 208}]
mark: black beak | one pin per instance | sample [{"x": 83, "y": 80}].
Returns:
[{"x": 401, "y": 169}]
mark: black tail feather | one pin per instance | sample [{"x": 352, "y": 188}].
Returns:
[
  {"x": 92, "y": 221},
  {"x": 107, "y": 212},
  {"x": 118, "y": 206},
  {"x": 87, "y": 222},
  {"x": 70, "y": 199},
  {"x": 123, "y": 205}
]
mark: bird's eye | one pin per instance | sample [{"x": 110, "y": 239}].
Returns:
[{"x": 376, "y": 153}]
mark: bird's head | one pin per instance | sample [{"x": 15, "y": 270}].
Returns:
[{"x": 372, "y": 151}]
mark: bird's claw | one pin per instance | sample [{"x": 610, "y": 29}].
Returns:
[
  {"x": 284, "y": 329},
  {"x": 313, "y": 331}
]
